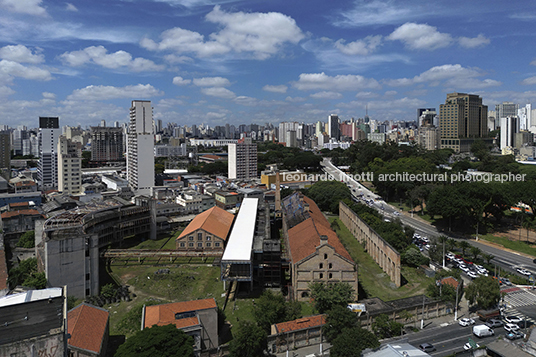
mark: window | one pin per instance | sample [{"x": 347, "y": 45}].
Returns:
[
  {"x": 190, "y": 244},
  {"x": 87, "y": 292},
  {"x": 209, "y": 237},
  {"x": 87, "y": 276},
  {"x": 330, "y": 265},
  {"x": 304, "y": 294},
  {"x": 217, "y": 244},
  {"x": 321, "y": 276},
  {"x": 320, "y": 266},
  {"x": 191, "y": 238},
  {"x": 199, "y": 245},
  {"x": 330, "y": 275},
  {"x": 325, "y": 256},
  {"x": 208, "y": 244},
  {"x": 199, "y": 236},
  {"x": 182, "y": 245}
]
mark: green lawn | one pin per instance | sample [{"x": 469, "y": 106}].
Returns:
[
  {"x": 372, "y": 279},
  {"x": 518, "y": 246},
  {"x": 163, "y": 242}
]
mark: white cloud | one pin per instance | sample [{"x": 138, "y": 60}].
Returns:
[
  {"x": 219, "y": 92},
  {"x": 29, "y": 7},
  {"x": 326, "y": 95},
  {"x": 21, "y": 54},
  {"x": 258, "y": 34},
  {"x": 5, "y": 91},
  {"x": 478, "y": 41},
  {"x": 367, "y": 95},
  {"x": 110, "y": 92},
  {"x": 295, "y": 99},
  {"x": 48, "y": 95},
  {"x": 378, "y": 12},
  {"x": 179, "y": 81},
  {"x": 10, "y": 69},
  {"x": 99, "y": 55},
  {"x": 529, "y": 81},
  {"x": 533, "y": 63},
  {"x": 360, "y": 47},
  {"x": 275, "y": 89},
  {"x": 212, "y": 82},
  {"x": 311, "y": 81},
  {"x": 173, "y": 59},
  {"x": 420, "y": 36},
  {"x": 70, "y": 7},
  {"x": 246, "y": 101},
  {"x": 391, "y": 92}
]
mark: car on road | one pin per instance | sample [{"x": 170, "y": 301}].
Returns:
[
  {"x": 468, "y": 346},
  {"x": 466, "y": 322},
  {"x": 515, "y": 335},
  {"x": 523, "y": 271},
  {"x": 427, "y": 347},
  {"x": 511, "y": 327},
  {"x": 472, "y": 274},
  {"x": 525, "y": 324},
  {"x": 506, "y": 281},
  {"x": 511, "y": 319},
  {"x": 494, "y": 323}
]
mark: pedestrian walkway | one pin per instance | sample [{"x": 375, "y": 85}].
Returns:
[{"x": 520, "y": 297}]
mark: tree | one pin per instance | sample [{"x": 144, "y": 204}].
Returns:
[
  {"x": 27, "y": 240},
  {"x": 164, "y": 341},
  {"x": 26, "y": 269},
  {"x": 36, "y": 281},
  {"x": 272, "y": 308},
  {"x": 475, "y": 252},
  {"x": 337, "y": 319},
  {"x": 384, "y": 327},
  {"x": 351, "y": 341},
  {"x": 488, "y": 257},
  {"x": 250, "y": 340},
  {"x": 327, "y": 195},
  {"x": 414, "y": 258},
  {"x": 485, "y": 291},
  {"x": 326, "y": 296},
  {"x": 463, "y": 245}
]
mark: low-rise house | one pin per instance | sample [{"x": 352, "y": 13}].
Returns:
[
  {"x": 89, "y": 328},
  {"x": 197, "y": 318},
  {"x": 20, "y": 221},
  {"x": 228, "y": 199},
  {"x": 290, "y": 335}
]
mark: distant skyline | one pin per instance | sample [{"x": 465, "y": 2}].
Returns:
[{"x": 252, "y": 61}]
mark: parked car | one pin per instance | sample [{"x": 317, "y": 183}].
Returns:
[
  {"x": 494, "y": 323},
  {"x": 468, "y": 346},
  {"x": 482, "y": 331},
  {"x": 511, "y": 327},
  {"x": 515, "y": 335},
  {"x": 472, "y": 275},
  {"x": 523, "y": 271},
  {"x": 511, "y": 319},
  {"x": 427, "y": 347},
  {"x": 466, "y": 322},
  {"x": 506, "y": 281}
]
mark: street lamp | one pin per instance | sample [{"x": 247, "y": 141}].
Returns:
[{"x": 456, "y": 306}]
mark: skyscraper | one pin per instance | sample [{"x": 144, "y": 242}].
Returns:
[
  {"x": 524, "y": 115},
  {"x": 47, "y": 170},
  {"x": 462, "y": 119},
  {"x": 106, "y": 144},
  {"x": 242, "y": 162},
  {"x": 505, "y": 109},
  {"x": 140, "y": 147},
  {"x": 333, "y": 126},
  {"x": 509, "y": 128},
  {"x": 69, "y": 166},
  {"x": 5, "y": 154}
]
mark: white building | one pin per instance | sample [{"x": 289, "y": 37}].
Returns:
[
  {"x": 242, "y": 162},
  {"x": 524, "y": 115},
  {"x": 140, "y": 147},
  {"x": 509, "y": 128},
  {"x": 49, "y": 133},
  {"x": 69, "y": 166}
]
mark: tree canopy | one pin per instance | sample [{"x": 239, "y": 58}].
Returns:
[
  {"x": 27, "y": 240},
  {"x": 485, "y": 291},
  {"x": 327, "y": 296},
  {"x": 351, "y": 341},
  {"x": 327, "y": 194},
  {"x": 249, "y": 340},
  {"x": 271, "y": 308},
  {"x": 162, "y": 341},
  {"x": 26, "y": 275}
]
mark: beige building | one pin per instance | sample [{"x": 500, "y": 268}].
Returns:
[
  {"x": 429, "y": 137},
  {"x": 69, "y": 166}
]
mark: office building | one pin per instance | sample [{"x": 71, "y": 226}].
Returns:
[
  {"x": 505, "y": 109},
  {"x": 106, "y": 144},
  {"x": 421, "y": 111},
  {"x": 242, "y": 162},
  {"x": 333, "y": 126},
  {"x": 426, "y": 118},
  {"x": 462, "y": 119},
  {"x": 524, "y": 114},
  {"x": 5, "y": 150},
  {"x": 509, "y": 129},
  {"x": 69, "y": 166},
  {"x": 140, "y": 147},
  {"x": 47, "y": 170}
]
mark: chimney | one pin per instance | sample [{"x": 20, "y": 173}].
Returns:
[
  {"x": 306, "y": 207},
  {"x": 323, "y": 239}
]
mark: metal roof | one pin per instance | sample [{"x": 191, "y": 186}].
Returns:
[
  {"x": 240, "y": 242},
  {"x": 30, "y": 295}
]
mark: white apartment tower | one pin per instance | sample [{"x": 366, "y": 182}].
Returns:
[
  {"x": 242, "y": 162},
  {"x": 49, "y": 134},
  {"x": 524, "y": 115},
  {"x": 509, "y": 128},
  {"x": 69, "y": 166},
  {"x": 140, "y": 147}
]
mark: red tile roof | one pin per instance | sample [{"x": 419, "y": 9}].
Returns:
[
  {"x": 164, "y": 314},
  {"x": 300, "y": 324},
  {"x": 209, "y": 156},
  {"x": 19, "y": 204},
  {"x": 3, "y": 270},
  {"x": 216, "y": 221},
  {"x": 27, "y": 212},
  {"x": 87, "y": 325},
  {"x": 305, "y": 236},
  {"x": 450, "y": 281}
]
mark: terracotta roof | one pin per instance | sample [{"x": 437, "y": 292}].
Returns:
[
  {"x": 3, "y": 270},
  {"x": 305, "y": 236},
  {"x": 209, "y": 156},
  {"x": 25, "y": 183},
  {"x": 19, "y": 204},
  {"x": 216, "y": 221},
  {"x": 450, "y": 281},
  {"x": 300, "y": 324},
  {"x": 87, "y": 325},
  {"x": 27, "y": 212},
  {"x": 164, "y": 314}
]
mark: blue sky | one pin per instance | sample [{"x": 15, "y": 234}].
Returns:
[{"x": 213, "y": 62}]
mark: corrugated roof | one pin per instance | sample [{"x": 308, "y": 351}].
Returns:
[
  {"x": 216, "y": 221},
  {"x": 87, "y": 326},
  {"x": 27, "y": 212},
  {"x": 241, "y": 239},
  {"x": 164, "y": 314},
  {"x": 299, "y": 324},
  {"x": 305, "y": 236}
]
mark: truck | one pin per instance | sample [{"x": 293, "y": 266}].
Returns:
[
  {"x": 482, "y": 331},
  {"x": 485, "y": 315}
]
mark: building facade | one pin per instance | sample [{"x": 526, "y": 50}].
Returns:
[
  {"x": 69, "y": 166},
  {"x": 140, "y": 147},
  {"x": 5, "y": 151},
  {"x": 47, "y": 169},
  {"x": 503, "y": 110},
  {"x": 242, "y": 162},
  {"x": 333, "y": 126},
  {"x": 106, "y": 144}
]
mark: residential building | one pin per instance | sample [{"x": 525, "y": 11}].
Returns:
[
  {"x": 462, "y": 119},
  {"x": 429, "y": 137},
  {"x": 509, "y": 128},
  {"x": 333, "y": 126},
  {"x": 227, "y": 199},
  {"x": 20, "y": 220},
  {"x": 140, "y": 147},
  {"x": 242, "y": 162},
  {"x": 69, "y": 166},
  {"x": 49, "y": 134},
  {"x": 379, "y": 138},
  {"x": 5, "y": 153},
  {"x": 316, "y": 253},
  {"x": 427, "y": 112},
  {"x": 4, "y": 288},
  {"x": 106, "y": 144},
  {"x": 208, "y": 230},
  {"x": 525, "y": 117},
  {"x": 197, "y": 318},
  {"x": 89, "y": 329},
  {"x": 523, "y": 138}
]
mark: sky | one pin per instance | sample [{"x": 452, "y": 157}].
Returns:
[{"x": 253, "y": 61}]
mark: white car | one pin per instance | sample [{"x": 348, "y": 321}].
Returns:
[
  {"x": 513, "y": 319},
  {"x": 511, "y": 327},
  {"x": 472, "y": 274},
  {"x": 464, "y": 268},
  {"x": 466, "y": 322},
  {"x": 523, "y": 271},
  {"x": 482, "y": 272},
  {"x": 450, "y": 255},
  {"x": 467, "y": 346}
]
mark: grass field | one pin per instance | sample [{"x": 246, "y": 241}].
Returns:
[{"x": 518, "y": 246}]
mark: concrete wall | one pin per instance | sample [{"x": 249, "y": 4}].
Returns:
[
  {"x": 386, "y": 256},
  {"x": 209, "y": 321},
  {"x": 52, "y": 345}
]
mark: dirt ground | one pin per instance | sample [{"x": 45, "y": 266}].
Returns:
[{"x": 518, "y": 234}]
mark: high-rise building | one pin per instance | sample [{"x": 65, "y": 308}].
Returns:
[
  {"x": 426, "y": 118},
  {"x": 140, "y": 147},
  {"x": 524, "y": 115},
  {"x": 333, "y": 126},
  {"x": 106, "y": 144},
  {"x": 509, "y": 128},
  {"x": 5, "y": 154},
  {"x": 462, "y": 118},
  {"x": 69, "y": 166},
  {"x": 242, "y": 162},
  {"x": 505, "y": 109},
  {"x": 47, "y": 170}
]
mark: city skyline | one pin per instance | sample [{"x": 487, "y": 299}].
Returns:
[{"x": 227, "y": 61}]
